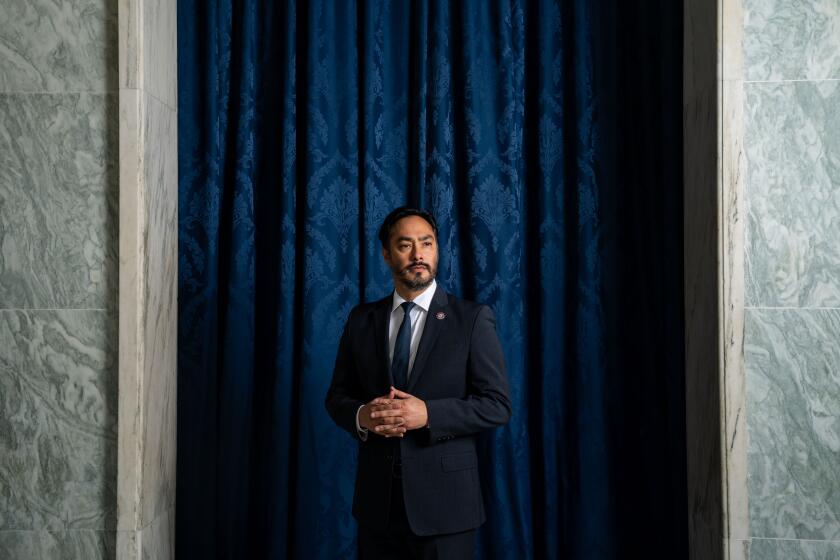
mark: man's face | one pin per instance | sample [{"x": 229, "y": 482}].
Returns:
[{"x": 413, "y": 253}]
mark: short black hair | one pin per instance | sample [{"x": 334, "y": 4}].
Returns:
[{"x": 398, "y": 214}]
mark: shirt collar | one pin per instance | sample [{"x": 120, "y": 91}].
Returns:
[{"x": 423, "y": 301}]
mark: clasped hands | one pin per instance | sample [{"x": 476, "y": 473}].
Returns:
[{"x": 393, "y": 414}]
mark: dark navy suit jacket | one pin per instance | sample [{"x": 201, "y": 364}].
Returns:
[{"x": 459, "y": 372}]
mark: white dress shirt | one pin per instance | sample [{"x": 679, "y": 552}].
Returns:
[{"x": 417, "y": 315}]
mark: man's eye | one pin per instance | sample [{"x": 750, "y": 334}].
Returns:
[{"x": 428, "y": 243}]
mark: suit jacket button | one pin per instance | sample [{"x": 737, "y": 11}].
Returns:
[{"x": 388, "y": 456}]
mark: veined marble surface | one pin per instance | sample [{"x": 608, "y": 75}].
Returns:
[
  {"x": 148, "y": 288},
  {"x": 158, "y": 538},
  {"x": 156, "y": 541},
  {"x": 791, "y": 39},
  {"x": 58, "y": 395},
  {"x": 793, "y": 418},
  {"x": 780, "y": 549},
  {"x": 58, "y": 200},
  {"x": 732, "y": 216},
  {"x": 160, "y": 309},
  {"x": 148, "y": 297},
  {"x": 57, "y": 545},
  {"x": 58, "y": 45},
  {"x": 792, "y": 141},
  {"x": 148, "y": 49},
  {"x": 160, "y": 51},
  {"x": 738, "y": 549}
]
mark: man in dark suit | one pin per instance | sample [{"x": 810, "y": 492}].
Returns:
[{"x": 415, "y": 393}]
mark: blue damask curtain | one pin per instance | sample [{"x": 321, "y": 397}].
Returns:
[{"x": 546, "y": 138}]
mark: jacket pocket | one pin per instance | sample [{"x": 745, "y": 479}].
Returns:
[{"x": 458, "y": 462}]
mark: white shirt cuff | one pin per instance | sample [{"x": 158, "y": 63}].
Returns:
[{"x": 363, "y": 432}]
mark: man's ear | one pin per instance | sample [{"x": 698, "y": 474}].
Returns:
[{"x": 386, "y": 256}]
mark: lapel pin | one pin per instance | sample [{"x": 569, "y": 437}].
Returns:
[{"x": 440, "y": 315}]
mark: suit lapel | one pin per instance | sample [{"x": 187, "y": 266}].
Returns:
[
  {"x": 431, "y": 330},
  {"x": 380, "y": 322}
]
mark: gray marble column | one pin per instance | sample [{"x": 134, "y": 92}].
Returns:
[
  {"x": 58, "y": 279},
  {"x": 780, "y": 164},
  {"x": 148, "y": 278},
  {"x": 791, "y": 106}
]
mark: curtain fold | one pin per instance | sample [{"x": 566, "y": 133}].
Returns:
[{"x": 545, "y": 137}]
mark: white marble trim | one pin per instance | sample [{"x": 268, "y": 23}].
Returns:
[
  {"x": 148, "y": 279},
  {"x": 130, "y": 39},
  {"x": 732, "y": 290},
  {"x": 733, "y": 215},
  {"x": 131, "y": 356}
]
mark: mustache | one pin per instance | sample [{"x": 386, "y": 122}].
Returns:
[{"x": 409, "y": 267}]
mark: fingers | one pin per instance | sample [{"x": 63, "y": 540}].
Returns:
[
  {"x": 384, "y": 398},
  {"x": 385, "y": 412},
  {"x": 386, "y": 415},
  {"x": 383, "y": 407},
  {"x": 390, "y": 420},
  {"x": 394, "y": 393},
  {"x": 390, "y": 431},
  {"x": 400, "y": 394}
]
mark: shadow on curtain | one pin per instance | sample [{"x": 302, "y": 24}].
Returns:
[{"x": 546, "y": 139}]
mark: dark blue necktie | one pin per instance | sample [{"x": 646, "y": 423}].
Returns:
[{"x": 402, "y": 349}]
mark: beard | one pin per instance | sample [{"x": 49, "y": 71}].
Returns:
[{"x": 413, "y": 280}]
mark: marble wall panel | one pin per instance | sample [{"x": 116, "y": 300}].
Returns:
[
  {"x": 785, "y": 58},
  {"x": 792, "y": 141},
  {"x": 778, "y": 549},
  {"x": 160, "y": 244},
  {"x": 57, "y": 545},
  {"x": 793, "y": 409},
  {"x": 58, "y": 279},
  {"x": 791, "y": 39},
  {"x": 58, "y": 45},
  {"x": 58, "y": 394},
  {"x": 58, "y": 200}
]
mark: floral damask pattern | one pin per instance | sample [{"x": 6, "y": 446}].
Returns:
[{"x": 302, "y": 124}]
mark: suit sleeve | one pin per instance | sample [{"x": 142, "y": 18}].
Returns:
[
  {"x": 487, "y": 403},
  {"x": 344, "y": 395}
]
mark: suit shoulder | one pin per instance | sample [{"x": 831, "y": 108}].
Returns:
[{"x": 364, "y": 309}]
